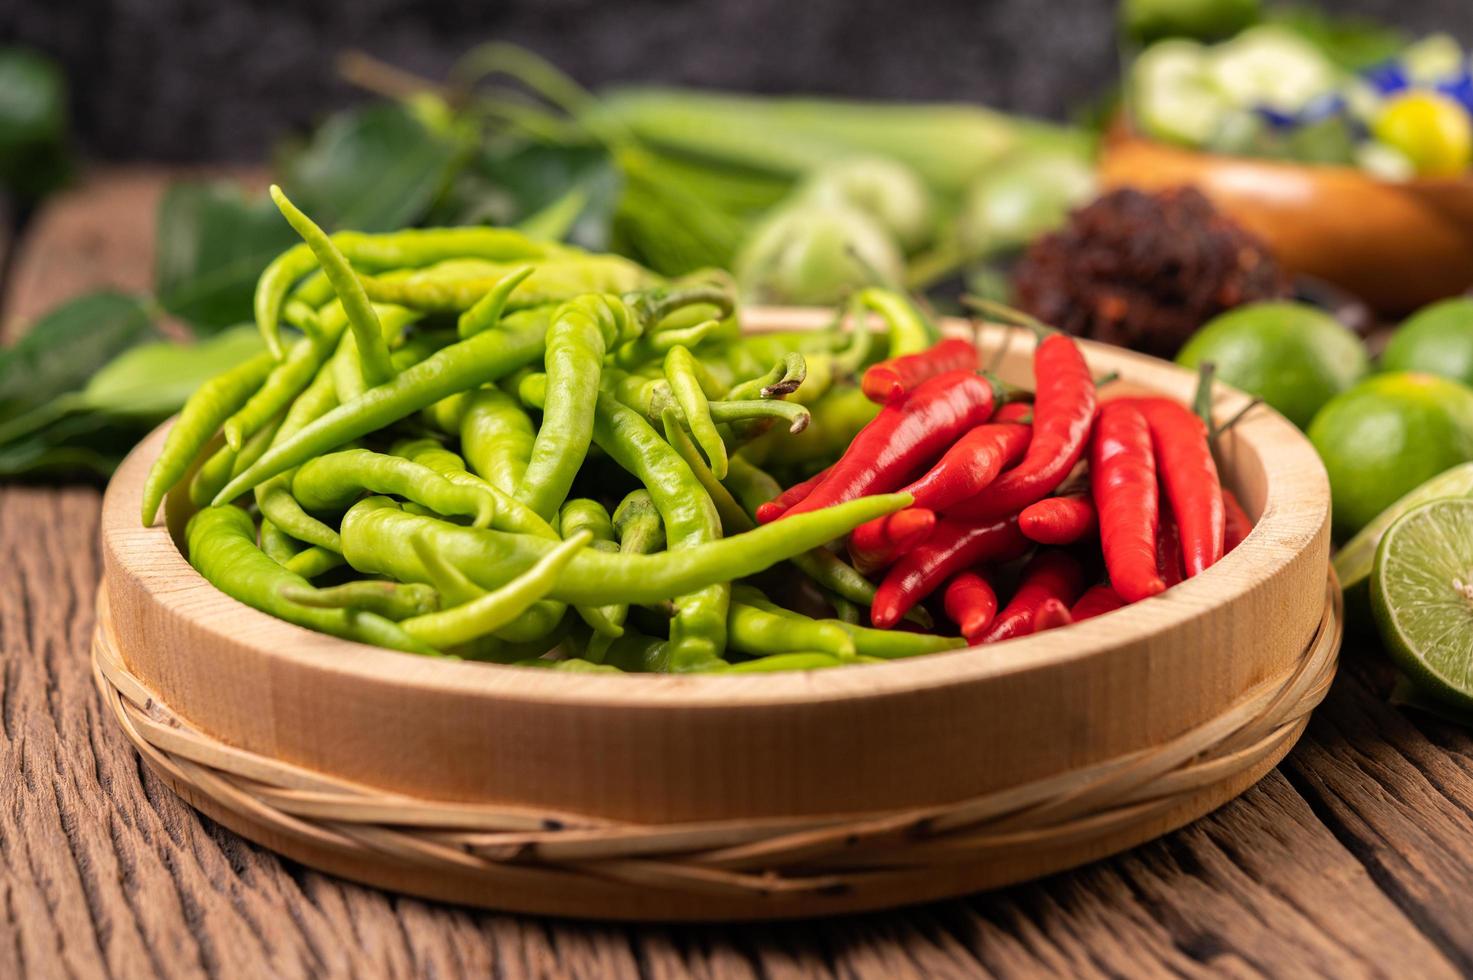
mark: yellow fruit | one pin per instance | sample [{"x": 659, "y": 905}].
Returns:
[{"x": 1433, "y": 131}]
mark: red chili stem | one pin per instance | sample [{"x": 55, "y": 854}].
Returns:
[
  {"x": 897, "y": 377},
  {"x": 952, "y": 547},
  {"x": 1063, "y": 411},
  {"x": 1122, "y": 468},
  {"x": 1096, "y": 601},
  {"x": 904, "y": 437},
  {"x": 1058, "y": 520},
  {"x": 971, "y": 603},
  {"x": 1048, "y": 575}
]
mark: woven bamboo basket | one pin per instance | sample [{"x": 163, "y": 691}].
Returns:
[{"x": 729, "y": 798}]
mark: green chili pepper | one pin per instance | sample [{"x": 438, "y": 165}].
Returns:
[
  {"x": 758, "y": 632},
  {"x": 375, "y": 529},
  {"x": 638, "y": 525},
  {"x": 225, "y": 462},
  {"x": 685, "y": 386},
  {"x": 497, "y": 438},
  {"x": 873, "y": 643},
  {"x": 391, "y": 600},
  {"x": 837, "y": 418},
  {"x": 334, "y": 481},
  {"x": 581, "y": 333},
  {"x": 510, "y": 514},
  {"x": 589, "y": 515},
  {"x": 637, "y": 653},
  {"x": 286, "y": 381},
  {"x": 314, "y": 561},
  {"x": 734, "y": 520},
  {"x": 458, "y": 367},
  {"x": 651, "y": 346},
  {"x": 200, "y": 418},
  {"x": 786, "y": 377},
  {"x": 573, "y": 665},
  {"x": 452, "y": 290},
  {"x": 488, "y": 309},
  {"x": 698, "y": 631},
  {"x": 368, "y": 333},
  {"x": 910, "y": 330},
  {"x": 783, "y": 661},
  {"x": 279, "y": 546},
  {"x": 221, "y": 545},
  {"x": 494, "y": 610}
]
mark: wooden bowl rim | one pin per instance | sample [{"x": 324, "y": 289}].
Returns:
[{"x": 1294, "y": 511}]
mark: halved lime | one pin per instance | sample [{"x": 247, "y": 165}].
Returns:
[
  {"x": 1353, "y": 562},
  {"x": 1422, "y": 597}
]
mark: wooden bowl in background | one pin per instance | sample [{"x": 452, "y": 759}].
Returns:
[
  {"x": 1399, "y": 246},
  {"x": 759, "y": 796}
]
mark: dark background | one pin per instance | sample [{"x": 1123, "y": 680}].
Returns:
[{"x": 201, "y": 80}]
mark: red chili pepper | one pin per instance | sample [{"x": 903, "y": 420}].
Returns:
[
  {"x": 1051, "y": 615},
  {"x": 904, "y": 437},
  {"x": 971, "y": 603},
  {"x": 1184, "y": 460},
  {"x": 777, "y": 506},
  {"x": 1048, "y": 575},
  {"x": 1058, "y": 520},
  {"x": 888, "y": 380},
  {"x": 1096, "y": 602},
  {"x": 952, "y": 547},
  {"x": 1168, "y": 550},
  {"x": 975, "y": 459},
  {"x": 970, "y": 464},
  {"x": 1063, "y": 410},
  {"x": 1239, "y": 524},
  {"x": 1122, "y": 472},
  {"x": 875, "y": 544}
]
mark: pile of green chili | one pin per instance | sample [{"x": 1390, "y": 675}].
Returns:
[{"x": 466, "y": 442}]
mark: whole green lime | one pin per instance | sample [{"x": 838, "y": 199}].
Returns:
[
  {"x": 1386, "y": 436},
  {"x": 1437, "y": 339},
  {"x": 1293, "y": 356}
]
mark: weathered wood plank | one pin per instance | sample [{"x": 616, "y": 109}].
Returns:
[{"x": 104, "y": 871}]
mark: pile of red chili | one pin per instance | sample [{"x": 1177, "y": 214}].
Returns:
[{"x": 1075, "y": 504}]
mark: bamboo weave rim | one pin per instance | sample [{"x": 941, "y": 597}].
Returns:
[{"x": 766, "y": 859}]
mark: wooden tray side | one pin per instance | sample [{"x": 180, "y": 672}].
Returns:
[{"x": 665, "y": 749}]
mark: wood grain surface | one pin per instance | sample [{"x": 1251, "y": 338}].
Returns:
[{"x": 1354, "y": 858}]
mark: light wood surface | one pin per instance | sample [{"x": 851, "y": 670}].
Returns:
[
  {"x": 1353, "y": 858},
  {"x": 1398, "y": 246}
]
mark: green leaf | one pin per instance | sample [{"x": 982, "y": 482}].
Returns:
[
  {"x": 533, "y": 183},
  {"x": 153, "y": 380},
  {"x": 33, "y": 158},
  {"x": 1354, "y": 43},
  {"x": 63, "y": 349},
  {"x": 376, "y": 168},
  {"x": 213, "y": 242}
]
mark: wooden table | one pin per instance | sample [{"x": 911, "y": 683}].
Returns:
[{"x": 1354, "y": 857}]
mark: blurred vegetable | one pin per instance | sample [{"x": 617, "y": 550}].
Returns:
[
  {"x": 816, "y": 253},
  {"x": 33, "y": 119},
  {"x": 1027, "y": 195},
  {"x": 887, "y": 191},
  {"x": 1434, "y": 132},
  {"x": 1151, "y": 20}
]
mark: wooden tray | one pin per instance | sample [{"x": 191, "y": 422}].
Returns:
[
  {"x": 1398, "y": 246},
  {"x": 750, "y": 797}
]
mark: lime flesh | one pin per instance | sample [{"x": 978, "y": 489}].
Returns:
[
  {"x": 1422, "y": 598},
  {"x": 1353, "y": 562}
]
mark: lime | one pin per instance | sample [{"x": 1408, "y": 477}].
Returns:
[
  {"x": 1353, "y": 561},
  {"x": 1433, "y": 130},
  {"x": 1422, "y": 597},
  {"x": 1293, "y": 356},
  {"x": 1386, "y": 436},
  {"x": 1438, "y": 340}
]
